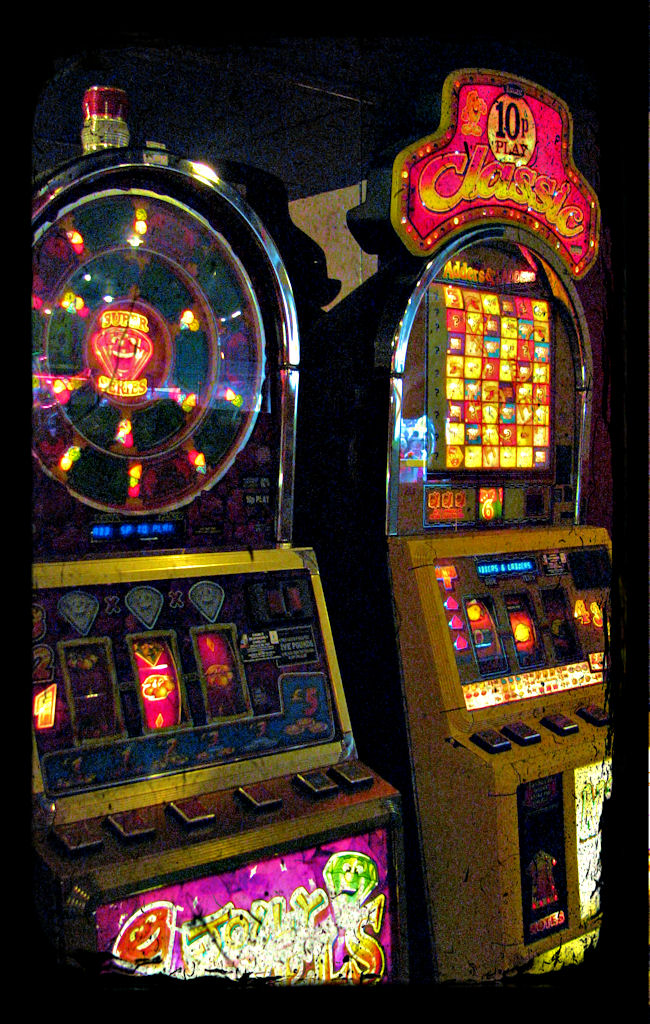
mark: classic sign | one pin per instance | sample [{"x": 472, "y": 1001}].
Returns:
[{"x": 503, "y": 151}]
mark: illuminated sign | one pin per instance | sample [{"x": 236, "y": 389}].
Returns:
[
  {"x": 503, "y": 151},
  {"x": 311, "y": 916},
  {"x": 490, "y": 503},
  {"x": 123, "y": 349},
  {"x": 485, "y": 693},
  {"x": 445, "y": 504},
  {"x": 507, "y": 567},
  {"x": 127, "y": 337}
]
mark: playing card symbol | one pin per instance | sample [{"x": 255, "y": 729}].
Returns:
[
  {"x": 146, "y": 604},
  {"x": 208, "y": 598},
  {"x": 79, "y": 609}
]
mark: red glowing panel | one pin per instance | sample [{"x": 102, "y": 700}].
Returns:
[
  {"x": 503, "y": 149},
  {"x": 446, "y": 574},
  {"x": 221, "y": 671},
  {"x": 158, "y": 680},
  {"x": 443, "y": 505}
]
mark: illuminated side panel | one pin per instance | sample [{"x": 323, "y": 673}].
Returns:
[
  {"x": 544, "y": 894},
  {"x": 593, "y": 784},
  {"x": 318, "y": 915}
]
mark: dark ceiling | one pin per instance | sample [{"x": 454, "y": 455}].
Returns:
[{"x": 311, "y": 110}]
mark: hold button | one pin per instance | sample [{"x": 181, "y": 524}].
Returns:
[
  {"x": 132, "y": 825},
  {"x": 490, "y": 740},
  {"x": 593, "y": 714},
  {"x": 560, "y": 724}
]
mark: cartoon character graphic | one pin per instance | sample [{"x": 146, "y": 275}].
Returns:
[
  {"x": 475, "y": 107},
  {"x": 350, "y": 878},
  {"x": 146, "y": 938}
]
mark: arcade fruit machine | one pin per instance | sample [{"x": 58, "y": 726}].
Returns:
[
  {"x": 199, "y": 808},
  {"x": 499, "y": 592}
]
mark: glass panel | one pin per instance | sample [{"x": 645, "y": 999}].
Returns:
[{"x": 148, "y": 352}]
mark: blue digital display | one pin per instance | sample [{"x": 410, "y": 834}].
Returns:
[
  {"x": 505, "y": 567},
  {"x": 147, "y": 530}
]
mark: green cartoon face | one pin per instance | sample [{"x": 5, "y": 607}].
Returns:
[{"x": 351, "y": 876}]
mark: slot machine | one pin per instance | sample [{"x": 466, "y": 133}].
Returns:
[
  {"x": 199, "y": 809},
  {"x": 499, "y": 592}
]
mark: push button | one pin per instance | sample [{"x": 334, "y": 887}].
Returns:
[
  {"x": 593, "y": 714},
  {"x": 79, "y": 837},
  {"x": 191, "y": 812},
  {"x": 352, "y": 774},
  {"x": 316, "y": 783},
  {"x": 490, "y": 740},
  {"x": 521, "y": 733},
  {"x": 560, "y": 724},
  {"x": 131, "y": 825},
  {"x": 259, "y": 797}
]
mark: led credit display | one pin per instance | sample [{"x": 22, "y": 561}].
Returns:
[{"x": 492, "y": 355}]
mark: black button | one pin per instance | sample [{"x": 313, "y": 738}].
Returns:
[
  {"x": 593, "y": 714},
  {"x": 560, "y": 724},
  {"x": 521, "y": 733},
  {"x": 490, "y": 740}
]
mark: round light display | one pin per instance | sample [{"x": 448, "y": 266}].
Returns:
[{"x": 148, "y": 351}]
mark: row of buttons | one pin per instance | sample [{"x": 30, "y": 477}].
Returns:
[
  {"x": 496, "y": 741},
  {"x": 192, "y": 812}
]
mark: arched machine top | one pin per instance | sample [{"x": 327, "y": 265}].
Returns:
[
  {"x": 491, "y": 373},
  {"x": 164, "y": 327}
]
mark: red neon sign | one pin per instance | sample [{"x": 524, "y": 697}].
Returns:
[{"x": 502, "y": 151}]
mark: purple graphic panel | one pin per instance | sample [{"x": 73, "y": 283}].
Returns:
[{"x": 316, "y": 915}]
